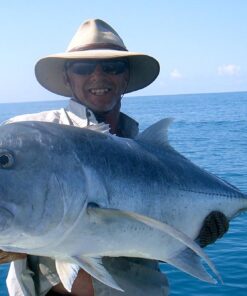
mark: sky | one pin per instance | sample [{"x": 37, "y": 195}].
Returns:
[{"x": 201, "y": 45}]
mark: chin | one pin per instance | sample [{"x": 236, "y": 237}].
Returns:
[{"x": 102, "y": 108}]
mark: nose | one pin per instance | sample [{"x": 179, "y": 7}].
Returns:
[{"x": 98, "y": 70}]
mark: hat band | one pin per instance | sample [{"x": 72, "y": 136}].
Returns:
[{"x": 98, "y": 46}]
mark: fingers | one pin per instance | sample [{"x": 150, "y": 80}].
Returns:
[
  {"x": 7, "y": 257},
  {"x": 214, "y": 227}
]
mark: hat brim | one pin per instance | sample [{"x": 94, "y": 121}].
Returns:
[{"x": 49, "y": 70}]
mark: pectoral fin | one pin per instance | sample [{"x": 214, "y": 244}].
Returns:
[{"x": 180, "y": 262}]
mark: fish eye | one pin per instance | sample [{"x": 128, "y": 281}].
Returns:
[{"x": 6, "y": 159}]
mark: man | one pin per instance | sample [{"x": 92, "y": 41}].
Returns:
[{"x": 96, "y": 71}]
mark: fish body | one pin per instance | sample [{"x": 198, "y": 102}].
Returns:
[{"x": 77, "y": 195}]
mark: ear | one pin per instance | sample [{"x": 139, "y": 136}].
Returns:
[
  {"x": 125, "y": 81},
  {"x": 66, "y": 79}
]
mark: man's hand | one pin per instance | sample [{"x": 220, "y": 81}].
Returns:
[
  {"x": 7, "y": 257},
  {"x": 215, "y": 226},
  {"x": 82, "y": 286}
]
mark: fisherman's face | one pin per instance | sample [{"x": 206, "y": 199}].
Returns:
[{"x": 100, "y": 84}]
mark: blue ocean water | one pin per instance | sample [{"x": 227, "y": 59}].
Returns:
[{"x": 211, "y": 130}]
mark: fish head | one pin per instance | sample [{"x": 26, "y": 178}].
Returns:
[{"x": 39, "y": 190}]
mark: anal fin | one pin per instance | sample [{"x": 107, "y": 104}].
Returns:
[
  {"x": 95, "y": 267},
  {"x": 67, "y": 273}
]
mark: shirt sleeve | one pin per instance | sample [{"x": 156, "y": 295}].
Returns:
[
  {"x": 47, "y": 116},
  {"x": 34, "y": 276},
  {"x": 19, "y": 280}
]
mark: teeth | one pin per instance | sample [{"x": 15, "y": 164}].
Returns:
[{"x": 99, "y": 91}]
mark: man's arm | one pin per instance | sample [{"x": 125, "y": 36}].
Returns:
[
  {"x": 7, "y": 257},
  {"x": 82, "y": 286}
]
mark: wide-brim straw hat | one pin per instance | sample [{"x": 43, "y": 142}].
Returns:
[{"x": 95, "y": 40}]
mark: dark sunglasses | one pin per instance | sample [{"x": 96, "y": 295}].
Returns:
[{"x": 87, "y": 67}]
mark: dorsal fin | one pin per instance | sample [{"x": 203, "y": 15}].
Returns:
[{"x": 156, "y": 133}]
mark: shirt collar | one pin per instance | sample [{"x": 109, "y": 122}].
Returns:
[
  {"x": 79, "y": 110},
  {"x": 128, "y": 127}
]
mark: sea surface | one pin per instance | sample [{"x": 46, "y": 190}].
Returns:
[{"x": 211, "y": 130}]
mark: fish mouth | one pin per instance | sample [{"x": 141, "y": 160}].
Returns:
[{"x": 99, "y": 91}]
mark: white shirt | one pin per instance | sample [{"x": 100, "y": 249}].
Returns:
[{"x": 74, "y": 114}]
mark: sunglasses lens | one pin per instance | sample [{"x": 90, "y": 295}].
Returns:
[
  {"x": 114, "y": 67},
  {"x": 108, "y": 67},
  {"x": 83, "y": 68}
]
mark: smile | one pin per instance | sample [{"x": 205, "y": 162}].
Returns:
[{"x": 99, "y": 91}]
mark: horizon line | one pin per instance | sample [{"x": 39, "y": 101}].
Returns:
[{"x": 126, "y": 97}]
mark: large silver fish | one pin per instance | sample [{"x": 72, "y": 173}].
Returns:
[{"x": 77, "y": 195}]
